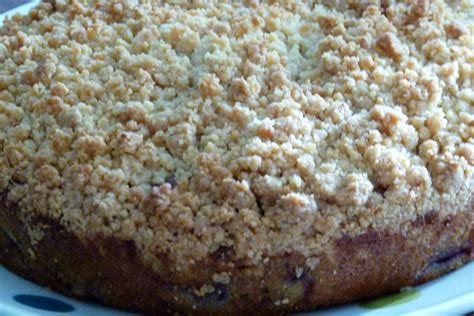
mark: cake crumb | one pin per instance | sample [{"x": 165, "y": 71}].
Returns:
[
  {"x": 312, "y": 263},
  {"x": 222, "y": 277},
  {"x": 299, "y": 272},
  {"x": 204, "y": 290}
]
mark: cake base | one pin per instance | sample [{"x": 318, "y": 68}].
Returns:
[{"x": 352, "y": 268}]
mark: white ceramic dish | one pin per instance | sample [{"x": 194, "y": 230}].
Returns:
[{"x": 452, "y": 294}]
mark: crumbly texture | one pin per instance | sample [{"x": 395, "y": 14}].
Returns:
[{"x": 260, "y": 128}]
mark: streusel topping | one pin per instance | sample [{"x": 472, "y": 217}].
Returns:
[{"x": 265, "y": 127}]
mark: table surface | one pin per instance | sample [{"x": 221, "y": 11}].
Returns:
[{"x": 6, "y": 5}]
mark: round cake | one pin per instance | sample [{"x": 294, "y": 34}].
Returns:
[{"x": 221, "y": 157}]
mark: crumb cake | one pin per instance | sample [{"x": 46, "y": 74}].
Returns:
[{"x": 221, "y": 157}]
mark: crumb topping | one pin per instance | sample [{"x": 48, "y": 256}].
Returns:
[{"x": 265, "y": 127}]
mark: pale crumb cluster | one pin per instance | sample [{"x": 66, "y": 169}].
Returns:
[
  {"x": 264, "y": 127},
  {"x": 222, "y": 278},
  {"x": 284, "y": 301},
  {"x": 312, "y": 263},
  {"x": 299, "y": 272}
]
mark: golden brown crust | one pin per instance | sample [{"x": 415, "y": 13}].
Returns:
[{"x": 351, "y": 268}]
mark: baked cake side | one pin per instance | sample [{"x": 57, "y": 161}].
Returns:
[{"x": 349, "y": 269}]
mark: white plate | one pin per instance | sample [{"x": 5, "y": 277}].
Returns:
[{"x": 452, "y": 294}]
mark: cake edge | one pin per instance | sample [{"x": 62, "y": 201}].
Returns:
[{"x": 110, "y": 271}]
